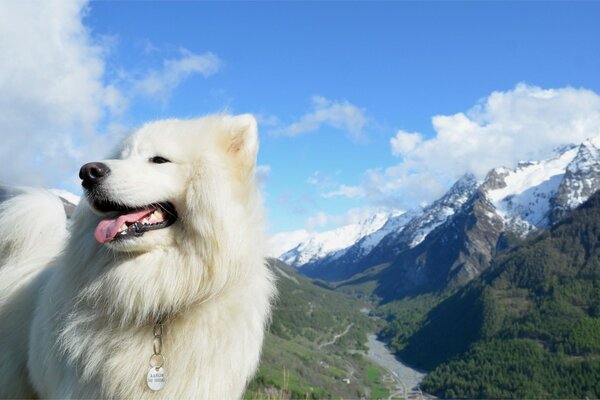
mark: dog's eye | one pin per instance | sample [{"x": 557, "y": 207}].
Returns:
[{"x": 158, "y": 160}]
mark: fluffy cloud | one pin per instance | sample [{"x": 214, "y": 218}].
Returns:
[
  {"x": 267, "y": 120},
  {"x": 525, "y": 123},
  {"x": 51, "y": 91},
  {"x": 161, "y": 83},
  {"x": 321, "y": 220},
  {"x": 284, "y": 241},
  {"x": 341, "y": 115},
  {"x": 318, "y": 220},
  {"x": 405, "y": 142},
  {"x": 57, "y": 109},
  {"x": 345, "y": 191},
  {"x": 502, "y": 129},
  {"x": 263, "y": 172}
]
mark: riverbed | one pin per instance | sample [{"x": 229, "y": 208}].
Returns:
[{"x": 380, "y": 354}]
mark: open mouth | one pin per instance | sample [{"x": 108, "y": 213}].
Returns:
[{"x": 126, "y": 222}]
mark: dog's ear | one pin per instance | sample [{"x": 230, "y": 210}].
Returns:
[{"x": 243, "y": 141}]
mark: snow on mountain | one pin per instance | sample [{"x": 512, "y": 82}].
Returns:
[
  {"x": 380, "y": 232},
  {"x": 535, "y": 194},
  {"x": 522, "y": 196},
  {"x": 284, "y": 241},
  {"x": 426, "y": 220},
  {"x": 393, "y": 224},
  {"x": 382, "y": 229},
  {"x": 319, "y": 245},
  {"x": 582, "y": 177},
  {"x": 440, "y": 210}
]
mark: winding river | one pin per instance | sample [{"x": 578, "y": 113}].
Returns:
[{"x": 380, "y": 354}]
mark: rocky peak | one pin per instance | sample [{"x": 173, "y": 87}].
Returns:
[
  {"x": 495, "y": 179},
  {"x": 581, "y": 179},
  {"x": 460, "y": 191},
  {"x": 432, "y": 216}
]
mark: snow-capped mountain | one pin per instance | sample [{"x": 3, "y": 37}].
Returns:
[
  {"x": 318, "y": 245},
  {"x": 534, "y": 195},
  {"x": 340, "y": 260},
  {"x": 435, "y": 214},
  {"x": 581, "y": 179},
  {"x": 522, "y": 197},
  {"x": 454, "y": 238},
  {"x": 347, "y": 261}
]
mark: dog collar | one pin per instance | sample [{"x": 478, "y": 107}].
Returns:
[{"x": 156, "y": 377}]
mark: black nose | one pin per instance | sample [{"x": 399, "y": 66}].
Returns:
[{"x": 92, "y": 173}]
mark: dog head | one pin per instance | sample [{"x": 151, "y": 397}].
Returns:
[
  {"x": 179, "y": 211},
  {"x": 168, "y": 175}
]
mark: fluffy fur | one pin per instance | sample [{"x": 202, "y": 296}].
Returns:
[{"x": 77, "y": 316}]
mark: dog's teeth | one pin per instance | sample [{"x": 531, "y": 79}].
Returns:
[
  {"x": 123, "y": 228},
  {"x": 157, "y": 216}
]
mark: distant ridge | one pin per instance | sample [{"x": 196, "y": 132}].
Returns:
[{"x": 453, "y": 240}]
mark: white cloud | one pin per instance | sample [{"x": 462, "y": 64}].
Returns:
[
  {"x": 315, "y": 179},
  {"x": 284, "y": 241},
  {"x": 52, "y": 96},
  {"x": 263, "y": 172},
  {"x": 57, "y": 109},
  {"x": 360, "y": 214},
  {"x": 524, "y": 123},
  {"x": 405, "y": 142},
  {"x": 319, "y": 220},
  {"x": 267, "y": 120},
  {"x": 323, "y": 221},
  {"x": 345, "y": 191},
  {"x": 341, "y": 115},
  {"x": 323, "y": 181},
  {"x": 161, "y": 83},
  {"x": 329, "y": 188}
]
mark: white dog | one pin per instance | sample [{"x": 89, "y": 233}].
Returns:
[{"x": 158, "y": 288}]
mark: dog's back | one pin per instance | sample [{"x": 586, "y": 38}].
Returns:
[{"x": 32, "y": 233}]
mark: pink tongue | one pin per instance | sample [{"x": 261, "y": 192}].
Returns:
[{"x": 108, "y": 228}]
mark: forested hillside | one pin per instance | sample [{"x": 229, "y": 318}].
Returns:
[{"x": 528, "y": 328}]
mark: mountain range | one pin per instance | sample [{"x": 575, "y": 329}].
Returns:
[{"x": 451, "y": 241}]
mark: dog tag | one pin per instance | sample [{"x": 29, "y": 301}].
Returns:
[{"x": 156, "y": 378}]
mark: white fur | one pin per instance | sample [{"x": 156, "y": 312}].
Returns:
[{"x": 88, "y": 309}]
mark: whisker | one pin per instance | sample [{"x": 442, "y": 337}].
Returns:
[{"x": 166, "y": 210}]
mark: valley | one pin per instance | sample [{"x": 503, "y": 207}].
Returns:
[
  {"x": 407, "y": 379},
  {"x": 326, "y": 347},
  {"x": 317, "y": 345}
]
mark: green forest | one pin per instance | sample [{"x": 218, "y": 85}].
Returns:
[{"x": 529, "y": 327}]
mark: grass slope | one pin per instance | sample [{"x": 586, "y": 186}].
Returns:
[{"x": 300, "y": 357}]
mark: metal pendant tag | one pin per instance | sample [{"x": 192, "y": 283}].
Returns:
[{"x": 156, "y": 378}]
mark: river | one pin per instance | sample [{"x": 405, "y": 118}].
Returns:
[{"x": 379, "y": 353}]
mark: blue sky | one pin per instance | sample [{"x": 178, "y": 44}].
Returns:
[{"x": 363, "y": 106}]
